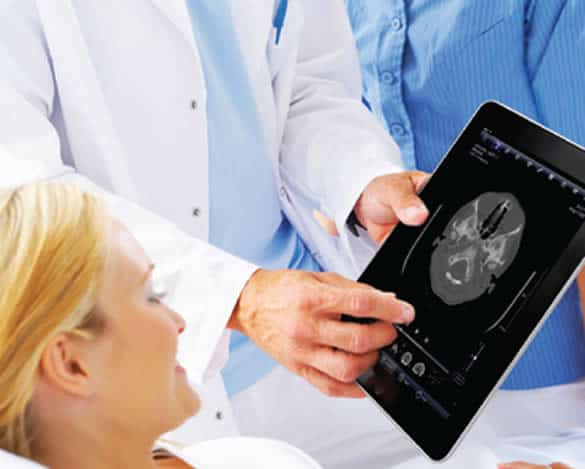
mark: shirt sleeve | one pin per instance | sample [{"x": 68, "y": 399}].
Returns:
[{"x": 555, "y": 57}]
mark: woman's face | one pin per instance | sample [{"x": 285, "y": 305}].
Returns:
[{"x": 137, "y": 380}]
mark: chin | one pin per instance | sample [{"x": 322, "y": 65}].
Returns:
[
  {"x": 181, "y": 410},
  {"x": 187, "y": 403}
]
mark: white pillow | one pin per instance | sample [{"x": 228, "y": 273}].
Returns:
[
  {"x": 15, "y": 462},
  {"x": 244, "y": 453}
]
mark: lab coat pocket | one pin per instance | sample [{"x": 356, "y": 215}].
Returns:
[{"x": 284, "y": 40}]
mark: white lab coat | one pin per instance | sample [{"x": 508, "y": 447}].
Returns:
[{"x": 111, "y": 94}]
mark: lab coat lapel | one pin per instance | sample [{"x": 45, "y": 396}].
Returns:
[{"x": 177, "y": 13}]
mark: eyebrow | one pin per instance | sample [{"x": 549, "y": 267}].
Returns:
[{"x": 147, "y": 273}]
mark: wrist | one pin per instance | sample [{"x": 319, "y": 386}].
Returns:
[{"x": 244, "y": 303}]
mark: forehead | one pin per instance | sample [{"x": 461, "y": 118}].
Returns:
[{"x": 127, "y": 262}]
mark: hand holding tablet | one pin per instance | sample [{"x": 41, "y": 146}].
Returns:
[{"x": 505, "y": 236}]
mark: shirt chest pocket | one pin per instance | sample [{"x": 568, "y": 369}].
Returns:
[
  {"x": 464, "y": 23},
  {"x": 482, "y": 58}
]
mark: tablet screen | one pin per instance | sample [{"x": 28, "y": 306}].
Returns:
[{"x": 500, "y": 218}]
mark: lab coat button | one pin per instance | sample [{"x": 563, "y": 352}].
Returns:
[
  {"x": 218, "y": 415},
  {"x": 196, "y": 211},
  {"x": 284, "y": 193},
  {"x": 194, "y": 104}
]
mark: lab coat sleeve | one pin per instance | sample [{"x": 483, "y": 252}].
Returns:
[
  {"x": 556, "y": 64},
  {"x": 332, "y": 146},
  {"x": 203, "y": 283}
]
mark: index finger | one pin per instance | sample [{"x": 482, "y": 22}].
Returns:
[{"x": 369, "y": 303}]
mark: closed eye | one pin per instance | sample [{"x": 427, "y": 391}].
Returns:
[{"x": 157, "y": 297}]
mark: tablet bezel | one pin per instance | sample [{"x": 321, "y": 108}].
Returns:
[{"x": 563, "y": 156}]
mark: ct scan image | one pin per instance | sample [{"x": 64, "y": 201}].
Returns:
[{"x": 477, "y": 246}]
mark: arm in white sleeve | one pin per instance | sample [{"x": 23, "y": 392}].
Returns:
[
  {"x": 204, "y": 283},
  {"x": 333, "y": 146}
]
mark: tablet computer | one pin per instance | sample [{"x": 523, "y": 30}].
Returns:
[{"x": 504, "y": 238}]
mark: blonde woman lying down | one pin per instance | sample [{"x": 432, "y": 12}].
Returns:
[{"x": 88, "y": 370}]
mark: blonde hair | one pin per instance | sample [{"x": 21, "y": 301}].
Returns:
[{"x": 53, "y": 241}]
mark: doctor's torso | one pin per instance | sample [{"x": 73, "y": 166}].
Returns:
[
  {"x": 122, "y": 84},
  {"x": 126, "y": 92}
]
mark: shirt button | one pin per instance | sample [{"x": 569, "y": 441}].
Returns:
[
  {"x": 389, "y": 78},
  {"x": 196, "y": 211},
  {"x": 397, "y": 130},
  {"x": 396, "y": 23},
  {"x": 194, "y": 104},
  {"x": 284, "y": 193}
]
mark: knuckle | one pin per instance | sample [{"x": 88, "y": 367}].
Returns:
[
  {"x": 297, "y": 350},
  {"x": 361, "y": 303},
  {"x": 304, "y": 300},
  {"x": 303, "y": 371},
  {"x": 351, "y": 372},
  {"x": 328, "y": 297},
  {"x": 347, "y": 369},
  {"x": 329, "y": 276},
  {"x": 296, "y": 327},
  {"x": 358, "y": 341}
]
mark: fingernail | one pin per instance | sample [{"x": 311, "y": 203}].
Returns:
[
  {"x": 407, "y": 313},
  {"x": 414, "y": 211}
]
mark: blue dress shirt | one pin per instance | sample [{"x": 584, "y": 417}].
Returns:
[
  {"x": 428, "y": 64},
  {"x": 245, "y": 214}
]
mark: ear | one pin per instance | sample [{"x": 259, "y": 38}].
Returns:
[{"x": 64, "y": 366}]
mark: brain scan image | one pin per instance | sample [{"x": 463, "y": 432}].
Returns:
[{"x": 476, "y": 248}]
